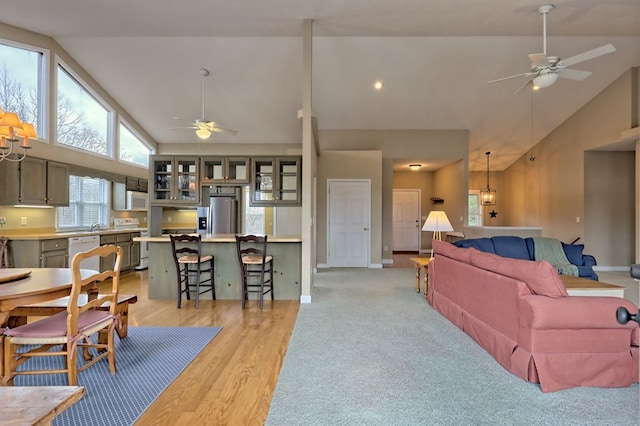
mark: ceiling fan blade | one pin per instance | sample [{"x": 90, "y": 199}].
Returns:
[
  {"x": 538, "y": 59},
  {"x": 187, "y": 127},
  {"x": 572, "y": 74},
  {"x": 525, "y": 84},
  {"x": 589, "y": 54},
  {"x": 524, "y": 74},
  {"x": 225, "y": 131}
]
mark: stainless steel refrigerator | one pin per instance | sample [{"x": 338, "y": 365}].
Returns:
[{"x": 221, "y": 217}]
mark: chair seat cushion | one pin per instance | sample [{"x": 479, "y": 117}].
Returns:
[
  {"x": 256, "y": 260},
  {"x": 55, "y": 326},
  {"x": 193, "y": 258}
]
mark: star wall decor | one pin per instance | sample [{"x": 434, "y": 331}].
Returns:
[{"x": 493, "y": 213}]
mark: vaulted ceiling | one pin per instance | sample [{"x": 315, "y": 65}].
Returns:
[{"x": 433, "y": 57}]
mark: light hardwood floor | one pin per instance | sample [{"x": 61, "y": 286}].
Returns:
[{"x": 231, "y": 382}]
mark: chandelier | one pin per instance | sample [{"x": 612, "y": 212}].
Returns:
[
  {"x": 488, "y": 194},
  {"x": 10, "y": 129}
]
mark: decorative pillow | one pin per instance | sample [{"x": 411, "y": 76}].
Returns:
[
  {"x": 513, "y": 247},
  {"x": 573, "y": 253},
  {"x": 540, "y": 276},
  {"x": 449, "y": 250}
]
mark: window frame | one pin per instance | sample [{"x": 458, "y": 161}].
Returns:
[
  {"x": 475, "y": 193},
  {"x": 43, "y": 84},
  {"x": 124, "y": 123},
  {"x": 110, "y": 125}
]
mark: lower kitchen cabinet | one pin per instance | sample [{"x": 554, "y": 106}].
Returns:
[{"x": 51, "y": 253}]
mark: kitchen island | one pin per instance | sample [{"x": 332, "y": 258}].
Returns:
[{"x": 285, "y": 249}]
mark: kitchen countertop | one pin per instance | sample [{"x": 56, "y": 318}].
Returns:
[
  {"x": 223, "y": 238},
  {"x": 50, "y": 235}
]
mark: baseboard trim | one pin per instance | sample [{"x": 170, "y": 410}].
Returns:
[
  {"x": 375, "y": 266},
  {"x": 305, "y": 299},
  {"x": 612, "y": 268},
  {"x": 387, "y": 261},
  {"x": 322, "y": 266}
]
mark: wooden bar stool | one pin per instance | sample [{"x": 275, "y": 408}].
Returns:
[
  {"x": 256, "y": 267},
  {"x": 190, "y": 265},
  {"x": 4, "y": 253}
]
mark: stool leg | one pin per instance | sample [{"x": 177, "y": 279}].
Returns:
[
  {"x": 179, "y": 286},
  {"x": 198, "y": 286}
]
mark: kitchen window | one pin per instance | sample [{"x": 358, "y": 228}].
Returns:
[
  {"x": 132, "y": 148},
  {"x": 88, "y": 204}
]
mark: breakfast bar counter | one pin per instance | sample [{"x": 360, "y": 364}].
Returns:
[{"x": 285, "y": 249}]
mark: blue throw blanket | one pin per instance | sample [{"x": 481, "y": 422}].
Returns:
[{"x": 550, "y": 249}]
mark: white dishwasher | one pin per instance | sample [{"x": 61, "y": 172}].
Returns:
[{"x": 80, "y": 244}]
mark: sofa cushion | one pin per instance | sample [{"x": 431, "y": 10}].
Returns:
[
  {"x": 482, "y": 244},
  {"x": 450, "y": 250},
  {"x": 540, "y": 276},
  {"x": 513, "y": 247},
  {"x": 573, "y": 253}
]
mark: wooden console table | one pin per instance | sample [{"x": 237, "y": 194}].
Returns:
[
  {"x": 577, "y": 286},
  {"x": 421, "y": 263}
]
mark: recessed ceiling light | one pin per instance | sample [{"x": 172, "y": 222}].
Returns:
[{"x": 378, "y": 85}]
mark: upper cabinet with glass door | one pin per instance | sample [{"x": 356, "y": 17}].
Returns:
[
  {"x": 225, "y": 170},
  {"x": 174, "y": 180},
  {"x": 276, "y": 181}
]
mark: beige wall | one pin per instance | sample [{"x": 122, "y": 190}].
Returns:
[
  {"x": 553, "y": 190},
  {"x": 437, "y": 145},
  {"x": 350, "y": 165},
  {"x": 478, "y": 181},
  {"x": 610, "y": 206}
]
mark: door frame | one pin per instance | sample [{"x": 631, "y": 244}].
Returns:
[
  {"x": 419, "y": 215},
  {"x": 368, "y": 216}
]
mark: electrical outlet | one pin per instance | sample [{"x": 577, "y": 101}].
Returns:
[
  {"x": 3, "y": 221},
  {"x": 23, "y": 221}
]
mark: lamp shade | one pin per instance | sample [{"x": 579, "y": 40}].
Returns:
[{"x": 437, "y": 221}]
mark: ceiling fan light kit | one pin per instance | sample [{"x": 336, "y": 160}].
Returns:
[{"x": 545, "y": 70}]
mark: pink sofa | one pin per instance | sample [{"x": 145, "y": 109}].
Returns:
[{"x": 519, "y": 311}]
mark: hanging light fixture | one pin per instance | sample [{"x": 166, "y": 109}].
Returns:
[
  {"x": 488, "y": 194},
  {"x": 10, "y": 127},
  {"x": 415, "y": 167}
]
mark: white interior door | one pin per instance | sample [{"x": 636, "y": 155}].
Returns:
[
  {"x": 349, "y": 204},
  {"x": 406, "y": 220}
]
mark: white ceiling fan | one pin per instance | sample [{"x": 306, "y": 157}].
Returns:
[
  {"x": 203, "y": 127},
  {"x": 545, "y": 70}
]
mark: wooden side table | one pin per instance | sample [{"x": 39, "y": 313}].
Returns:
[{"x": 421, "y": 263}]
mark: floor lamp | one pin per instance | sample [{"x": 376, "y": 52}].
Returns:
[{"x": 437, "y": 222}]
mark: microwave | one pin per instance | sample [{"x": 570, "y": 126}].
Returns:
[{"x": 137, "y": 200}]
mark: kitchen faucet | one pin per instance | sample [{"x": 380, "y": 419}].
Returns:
[{"x": 94, "y": 226}]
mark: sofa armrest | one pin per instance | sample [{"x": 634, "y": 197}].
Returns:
[
  {"x": 573, "y": 312},
  {"x": 588, "y": 260}
]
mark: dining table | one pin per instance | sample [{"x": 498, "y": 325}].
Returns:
[{"x": 19, "y": 287}]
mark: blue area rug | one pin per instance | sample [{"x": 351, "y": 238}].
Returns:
[{"x": 148, "y": 360}]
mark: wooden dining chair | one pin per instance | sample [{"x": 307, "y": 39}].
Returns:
[
  {"x": 191, "y": 265},
  {"x": 4, "y": 252},
  {"x": 65, "y": 333},
  {"x": 256, "y": 267}
]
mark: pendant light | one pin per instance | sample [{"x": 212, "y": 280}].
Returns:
[{"x": 488, "y": 194}]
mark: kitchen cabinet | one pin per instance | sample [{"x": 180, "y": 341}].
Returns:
[
  {"x": 225, "y": 170},
  {"x": 51, "y": 253},
  {"x": 175, "y": 180},
  {"x": 276, "y": 181},
  {"x": 136, "y": 184},
  {"x": 130, "y": 251},
  {"x": 34, "y": 182}
]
